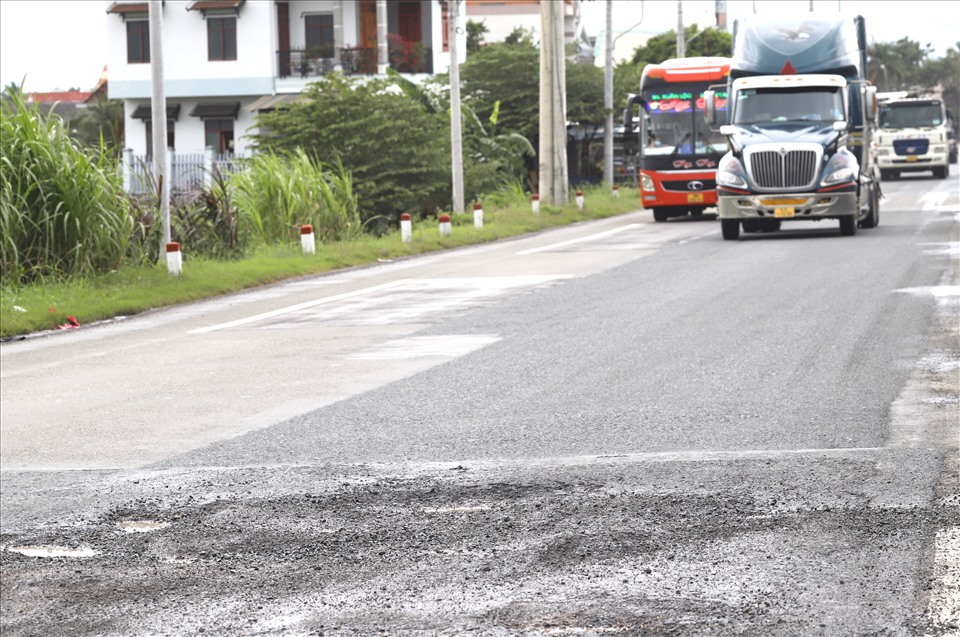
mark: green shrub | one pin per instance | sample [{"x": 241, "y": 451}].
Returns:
[
  {"x": 278, "y": 193},
  {"x": 62, "y": 211}
]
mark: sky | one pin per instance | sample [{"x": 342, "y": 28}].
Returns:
[{"x": 60, "y": 44}]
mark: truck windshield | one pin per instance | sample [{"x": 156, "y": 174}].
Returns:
[
  {"x": 675, "y": 123},
  {"x": 913, "y": 115},
  {"x": 807, "y": 104}
]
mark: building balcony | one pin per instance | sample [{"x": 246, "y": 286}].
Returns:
[{"x": 404, "y": 58}]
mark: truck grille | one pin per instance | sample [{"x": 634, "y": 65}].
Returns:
[
  {"x": 789, "y": 169},
  {"x": 911, "y": 146}
]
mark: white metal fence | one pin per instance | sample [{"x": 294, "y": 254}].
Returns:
[{"x": 188, "y": 171}]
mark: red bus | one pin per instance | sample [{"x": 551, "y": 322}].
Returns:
[{"x": 678, "y": 151}]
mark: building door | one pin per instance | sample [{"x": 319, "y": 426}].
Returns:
[
  {"x": 368, "y": 36},
  {"x": 410, "y": 21},
  {"x": 283, "y": 37}
]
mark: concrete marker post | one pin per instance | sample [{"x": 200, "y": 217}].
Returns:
[
  {"x": 174, "y": 259},
  {"x": 616, "y": 192},
  {"x": 306, "y": 239},
  {"x": 477, "y": 215},
  {"x": 580, "y": 200},
  {"x": 535, "y": 204},
  {"x": 406, "y": 228},
  {"x": 445, "y": 228}
]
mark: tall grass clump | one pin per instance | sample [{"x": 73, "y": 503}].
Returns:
[
  {"x": 62, "y": 211},
  {"x": 278, "y": 193}
]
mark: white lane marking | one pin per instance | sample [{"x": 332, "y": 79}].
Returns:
[
  {"x": 580, "y": 240},
  {"x": 299, "y": 306},
  {"x": 450, "y": 346},
  {"x": 932, "y": 200}
]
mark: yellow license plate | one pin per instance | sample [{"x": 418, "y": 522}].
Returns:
[
  {"x": 695, "y": 198},
  {"x": 783, "y": 202},
  {"x": 781, "y": 213},
  {"x": 912, "y": 158}
]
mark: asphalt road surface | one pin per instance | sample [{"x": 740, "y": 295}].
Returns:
[{"x": 619, "y": 427}]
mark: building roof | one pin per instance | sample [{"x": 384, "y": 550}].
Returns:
[
  {"x": 76, "y": 97},
  {"x": 145, "y": 112},
  {"x": 216, "y": 111},
  {"x": 214, "y": 5},
  {"x": 122, "y": 7}
]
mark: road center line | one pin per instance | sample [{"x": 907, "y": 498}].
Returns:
[
  {"x": 580, "y": 240},
  {"x": 299, "y": 306}
]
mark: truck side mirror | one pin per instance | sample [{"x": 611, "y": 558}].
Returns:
[
  {"x": 870, "y": 103},
  {"x": 840, "y": 126},
  {"x": 628, "y": 112},
  {"x": 710, "y": 108}
]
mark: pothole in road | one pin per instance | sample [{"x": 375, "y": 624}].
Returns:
[
  {"x": 52, "y": 551},
  {"x": 141, "y": 526}
]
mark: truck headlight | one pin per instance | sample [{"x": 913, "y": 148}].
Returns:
[
  {"x": 646, "y": 183},
  {"x": 730, "y": 172},
  {"x": 883, "y": 151},
  {"x": 841, "y": 167},
  {"x": 939, "y": 149}
]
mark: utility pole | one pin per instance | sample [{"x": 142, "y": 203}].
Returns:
[
  {"x": 681, "y": 34},
  {"x": 456, "y": 134},
  {"x": 553, "y": 110},
  {"x": 608, "y": 98},
  {"x": 608, "y": 91},
  {"x": 158, "y": 112}
]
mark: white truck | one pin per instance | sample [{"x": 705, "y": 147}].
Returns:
[{"x": 913, "y": 135}]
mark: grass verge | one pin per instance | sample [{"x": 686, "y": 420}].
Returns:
[{"x": 127, "y": 291}]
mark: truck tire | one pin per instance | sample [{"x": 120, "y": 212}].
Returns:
[
  {"x": 730, "y": 229},
  {"x": 660, "y": 214},
  {"x": 848, "y": 226},
  {"x": 941, "y": 172},
  {"x": 751, "y": 225},
  {"x": 873, "y": 213}
]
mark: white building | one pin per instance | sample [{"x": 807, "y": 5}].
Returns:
[{"x": 226, "y": 60}]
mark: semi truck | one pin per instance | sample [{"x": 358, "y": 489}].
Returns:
[
  {"x": 914, "y": 135},
  {"x": 678, "y": 151},
  {"x": 801, "y": 121}
]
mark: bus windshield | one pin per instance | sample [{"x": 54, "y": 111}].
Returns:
[
  {"x": 675, "y": 124},
  {"x": 911, "y": 115},
  {"x": 807, "y": 104}
]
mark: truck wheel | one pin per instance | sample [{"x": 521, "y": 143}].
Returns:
[
  {"x": 848, "y": 226},
  {"x": 730, "y": 229},
  {"x": 941, "y": 172},
  {"x": 660, "y": 214},
  {"x": 751, "y": 225},
  {"x": 873, "y": 214},
  {"x": 886, "y": 175}
]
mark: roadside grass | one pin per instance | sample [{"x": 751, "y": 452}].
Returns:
[{"x": 46, "y": 303}]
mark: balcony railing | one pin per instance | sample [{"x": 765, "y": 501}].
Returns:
[{"x": 353, "y": 61}]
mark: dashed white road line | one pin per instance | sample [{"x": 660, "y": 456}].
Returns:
[{"x": 591, "y": 237}]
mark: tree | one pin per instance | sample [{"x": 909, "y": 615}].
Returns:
[
  {"x": 709, "y": 42},
  {"x": 102, "y": 119},
  {"x": 397, "y": 151},
  {"x": 475, "y": 33}
]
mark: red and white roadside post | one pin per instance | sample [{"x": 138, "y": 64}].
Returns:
[
  {"x": 174, "y": 259},
  {"x": 616, "y": 192},
  {"x": 535, "y": 204},
  {"x": 580, "y": 199},
  {"x": 306, "y": 239},
  {"x": 406, "y": 228},
  {"x": 477, "y": 215},
  {"x": 445, "y": 228}
]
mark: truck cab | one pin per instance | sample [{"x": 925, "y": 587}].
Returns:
[{"x": 800, "y": 118}]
